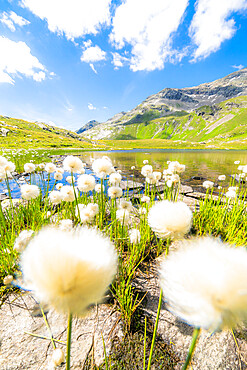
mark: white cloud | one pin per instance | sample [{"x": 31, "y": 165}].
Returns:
[
  {"x": 93, "y": 54},
  {"x": 91, "y": 107},
  {"x": 240, "y": 66},
  {"x": 93, "y": 68},
  {"x": 211, "y": 24},
  {"x": 74, "y": 18},
  {"x": 147, "y": 26},
  {"x": 119, "y": 60},
  {"x": 11, "y": 19},
  {"x": 16, "y": 59}
]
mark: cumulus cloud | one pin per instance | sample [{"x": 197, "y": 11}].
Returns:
[
  {"x": 211, "y": 24},
  {"x": 147, "y": 26},
  {"x": 91, "y": 107},
  {"x": 16, "y": 59},
  {"x": 93, "y": 54},
  {"x": 11, "y": 19},
  {"x": 74, "y": 18}
]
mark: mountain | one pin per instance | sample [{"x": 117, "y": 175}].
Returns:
[
  {"x": 18, "y": 133},
  {"x": 87, "y": 126},
  {"x": 182, "y": 114}
]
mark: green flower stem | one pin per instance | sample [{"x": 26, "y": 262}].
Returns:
[
  {"x": 48, "y": 326},
  {"x": 192, "y": 347},
  {"x": 69, "y": 331},
  {"x": 155, "y": 331}
]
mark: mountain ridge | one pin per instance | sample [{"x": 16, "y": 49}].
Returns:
[{"x": 173, "y": 102}]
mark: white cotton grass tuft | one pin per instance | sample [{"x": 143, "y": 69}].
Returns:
[
  {"x": 29, "y": 167},
  {"x": 175, "y": 167},
  {"x": 123, "y": 216},
  {"x": 58, "y": 176},
  {"x": 115, "y": 178},
  {"x": 22, "y": 240},
  {"x": 87, "y": 212},
  {"x": 102, "y": 167},
  {"x": 58, "y": 357},
  {"x": 124, "y": 204},
  {"x": 50, "y": 167},
  {"x": 8, "y": 279},
  {"x": 72, "y": 164},
  {"x": 115, "y": 192},
  {"x": 222, "y": 177},
  {"x": 205, "y": 283},
  {"x": 69, "y": 271},
  {"x": 86, "y": 183},
  {"x": 145, "y": 199},
  {"x": 29, "y": 192},
  {"x": 170, "y": 219},
  {"x": 70, "y": 179},
  {"x": 98, "y": 188},
  {"x": 147, "y": 170},
  {"x": 68, "y": 193},
  {"x": 134, "y": 236},
  {"x": 55, "y": 197},
  {"x": 208, "y": 184}
]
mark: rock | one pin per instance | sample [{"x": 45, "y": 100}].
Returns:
[
  {"x": 185, "y": 189},
  {"x": 21, "y": 351},
  {"x": 130, "y": 185},
  {"x": 4, "y": 131}
]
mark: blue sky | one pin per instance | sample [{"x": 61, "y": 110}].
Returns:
[{"x": 68, "y": 62}]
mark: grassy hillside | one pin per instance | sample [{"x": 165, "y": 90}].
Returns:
[{"x": 17, "y": 133}]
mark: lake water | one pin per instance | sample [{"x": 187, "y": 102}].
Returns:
[{"x": 205, "y": 164}]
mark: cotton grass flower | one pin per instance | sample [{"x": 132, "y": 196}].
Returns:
[
  {"x": 8, "y": 280},
  {"x": 123, "y": 216},
  {"x": 124, "y": 204},
  {"x": 58, "y": 357},
  {"x": 87, "y": 213},
  {"x": 70, "y": 179},
  {"x": 29, "y": 167},
  {"x": 170, "y": 219},
  {"x": 22, "y": 240},
  {"x": 146, "y": 170},
  {"x": 205, "y": 283},
  {"x": 115, "y": 178},
  {"x": 134, "y": 236},
  {"x": 59, "y": 186},
  {"x": 222, "y": 177},
  {"x": 208, "y": 184},
  {"x": 69, "y": 271},
  {"x": 58, "y": 176},
  {"x": 115, "y": 192},
  {"x": 55, "y": 197},
  {"x": 102, "y": 167},
  {"x": 145, "y": 161},
  {"x": 145, "y": 199},
  {"x": 72, "y": 164},
  {"x": 50, "y": 167},
  {"x": 98, "y": 188},
  {"x": 29, "y": 192},
  {"x": 3, "y": 161},
  {"x": 176, "y": 167},
  {"x": 231, "y": 194},
  {"x": 86, "y": 183},
  {"x": 68, "y": 193}
]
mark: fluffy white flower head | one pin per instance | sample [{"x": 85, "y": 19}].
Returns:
[
  {"x": 3, "y": 161},
  {"x": 29, "y": 167},
  {"x": 222, "y": 177},
  {"x": 69, "y": 270},
  {"x": 55, "y": 197},
  {"x": 145, "y": 199},
  {"x": 135, "y": 236},
  {"x": 58, "y": 176},
  {"x": 115, "y": 178},
  {"x": 86, "y": 183},
  {"x": 58, "y": 357},
  {"x": 205, "y": 283},
  {"x": 102, "y": 167},
  {"x": 115, "y": 192},
  {"x": 68, "y": 193},
  {"x": 170, "y": 219},
  {"x": 98, "y": 188},
  {"x": 176, "y": 167},
  {"x": 147, "y": 170},
  {"x": 50, "y": 167},
  {"x": 208, "y": 184},
  {"x": 22, "y": 240},
  {"x": 66, "y": 225},
  {"x": 123, "y": 216},
  {"x": 29, "y": 191},
  {"x": 72, "y": 164}
]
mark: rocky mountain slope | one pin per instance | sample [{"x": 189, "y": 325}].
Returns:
[{"x": 188, "y": 113}]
